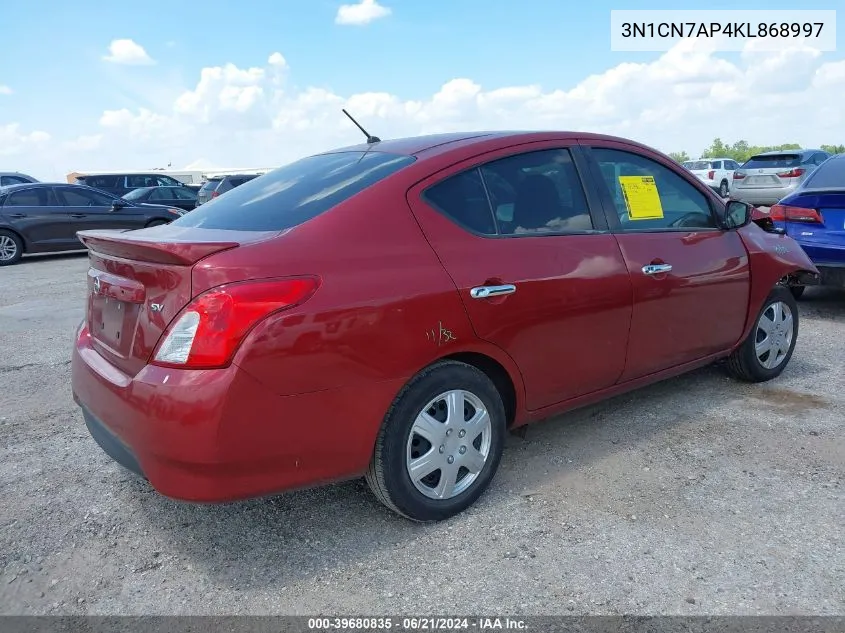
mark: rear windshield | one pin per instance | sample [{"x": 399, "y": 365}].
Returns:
[
  {"x": 293, "y": 194},
  {"x": 773, "y": 161},
  {"x": 697, "y": 164},
  {"x": 829, "y": 175},
  {"x": 210, "y": 184}
]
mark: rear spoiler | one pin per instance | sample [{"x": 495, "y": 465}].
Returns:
[{"x": 130, "y": 245}]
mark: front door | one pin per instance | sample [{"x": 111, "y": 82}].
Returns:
[
  {"x": 691, "y": 278},
  {"x": 538, "y": 273},
  {"x": 92, "y": 210}
]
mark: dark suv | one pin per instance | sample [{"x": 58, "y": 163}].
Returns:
[
  {"x": 120, "y": 184},
  {"x": 218, "y": 185}
]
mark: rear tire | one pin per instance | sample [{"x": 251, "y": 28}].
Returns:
[
  {"x": 723, "y": 189},
  {"x": 11, "y": 248},
  {"x": 448, "y": 424},
  {"x": 156, "y": 223},
  {"x": 769, "y": 346}
]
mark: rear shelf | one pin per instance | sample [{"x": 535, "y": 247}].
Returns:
[{"x": 138, "y": 282}]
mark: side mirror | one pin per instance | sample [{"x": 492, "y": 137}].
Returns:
[
  {"x": 117, "y": 205},
  {"x": 737, "y": 214}
]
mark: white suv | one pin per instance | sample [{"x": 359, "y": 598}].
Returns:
[{"x": 717, "y": 173}]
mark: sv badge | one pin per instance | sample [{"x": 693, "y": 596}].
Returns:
[{"x": 156, "y": 307}]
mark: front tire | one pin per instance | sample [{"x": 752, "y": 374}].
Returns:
[
  {"x": 767, "y": 350},
  {"x": 11, "y": 248},
  {"x": 797, "y": 291},
  {"x": 440, "y": 444}
]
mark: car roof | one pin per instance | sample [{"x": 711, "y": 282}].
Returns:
[
  {"x": 430, "y": 145},
  {"x": 800, "y": 152}
]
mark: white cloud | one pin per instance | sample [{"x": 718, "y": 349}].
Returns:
[
  {"x": 255, "y": 117},
  {"x": 14, "y": 142},
  {"x": 362, "y": 13},
  {"x": 277, "y": 60},
  {"x": 5, "y": 90},
  {"x": 129, "y": 53}
]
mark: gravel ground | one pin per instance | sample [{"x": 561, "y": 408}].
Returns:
[{"x": 696, "y": 496}]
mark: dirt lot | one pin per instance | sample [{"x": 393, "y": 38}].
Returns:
[{"x": 699, "y": 495}]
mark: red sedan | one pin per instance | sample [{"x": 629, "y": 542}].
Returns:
[{"x": 391, "y": 310}]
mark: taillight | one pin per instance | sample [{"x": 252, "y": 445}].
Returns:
[
  {"x": 711, "y": 175},
  {"x": 792, "y": 173},
  {"x": 214, "y": 194},
  {"x": 786, "y": 213},
  {"x": 738, "y": 175},
  {"x": 208, "y": 331}
]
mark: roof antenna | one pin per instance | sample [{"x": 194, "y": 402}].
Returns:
[{"x": 370, "y": 139}]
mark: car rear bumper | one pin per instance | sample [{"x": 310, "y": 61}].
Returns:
[
  {"x": 219, "y": 435},
  {"x": 760, "y": 196}
]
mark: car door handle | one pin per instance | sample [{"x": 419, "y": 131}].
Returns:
[
  {"x": 78, "y": 215},
  {"x": 485, "y": 292},
  {"x": 656, "y": 269},
  {"x": 17, "y": 215}
]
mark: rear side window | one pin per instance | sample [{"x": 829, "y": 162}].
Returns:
[
  {"x": 99, "y": 182},
  {"x": 296, "y": 193},
  {"x": 831, "y": 175},
  {"x": 773, "y": 161}
]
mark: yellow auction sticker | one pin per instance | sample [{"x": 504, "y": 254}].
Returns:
[{"x": 641, "y": 197}]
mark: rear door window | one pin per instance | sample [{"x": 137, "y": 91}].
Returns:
[
  {"x": 294, "y": 194},
  {"x": 40, "y": 197}
]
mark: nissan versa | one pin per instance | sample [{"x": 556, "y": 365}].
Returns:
[{"x": 391, "y": 310}]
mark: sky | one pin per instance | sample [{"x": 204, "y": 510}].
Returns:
[{"x": 93, "y": 85}]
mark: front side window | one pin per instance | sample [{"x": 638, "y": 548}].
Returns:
[
  {"x": 84, "y": 198},
  {"x": 649, "y": 196},
  {"x": 529, "y": 193}
]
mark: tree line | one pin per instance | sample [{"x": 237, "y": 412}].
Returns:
[{"x": 741, "y": 151}]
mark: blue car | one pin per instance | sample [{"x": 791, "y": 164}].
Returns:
[{"x": 814, "y": 216}]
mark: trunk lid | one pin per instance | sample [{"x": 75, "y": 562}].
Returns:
[
  {"x": 138, "y": 281},
  {"x": 770, "y": 171},
  {"x": 831, "y": 207}
]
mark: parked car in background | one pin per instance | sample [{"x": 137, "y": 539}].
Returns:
[
  {"x": 121, "y": 184},
  {"x": 14, "y": 178},
  {"x": 44, "y": 217},
  {"x": 766, "y": 178},
  {"x": 218, "y": 185},
  {"x": 814, "y": 216},
  {"x": 183, "y": 197},
  {"x": 716, "y": 173},
  {"x": 391, "y": 309}
]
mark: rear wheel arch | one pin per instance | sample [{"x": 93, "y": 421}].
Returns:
[
  {"x": 497, "y": 373},
  {"x": 156, "y": 222},
  {"x": 24, "y": 243}
]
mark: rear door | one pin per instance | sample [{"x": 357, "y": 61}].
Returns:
[
  {"x": 92, "y": 209},
  {"x": 540, "y": 276},
  {"x": 36, "y": 214},
  {"x": 691, "y": 279}
]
